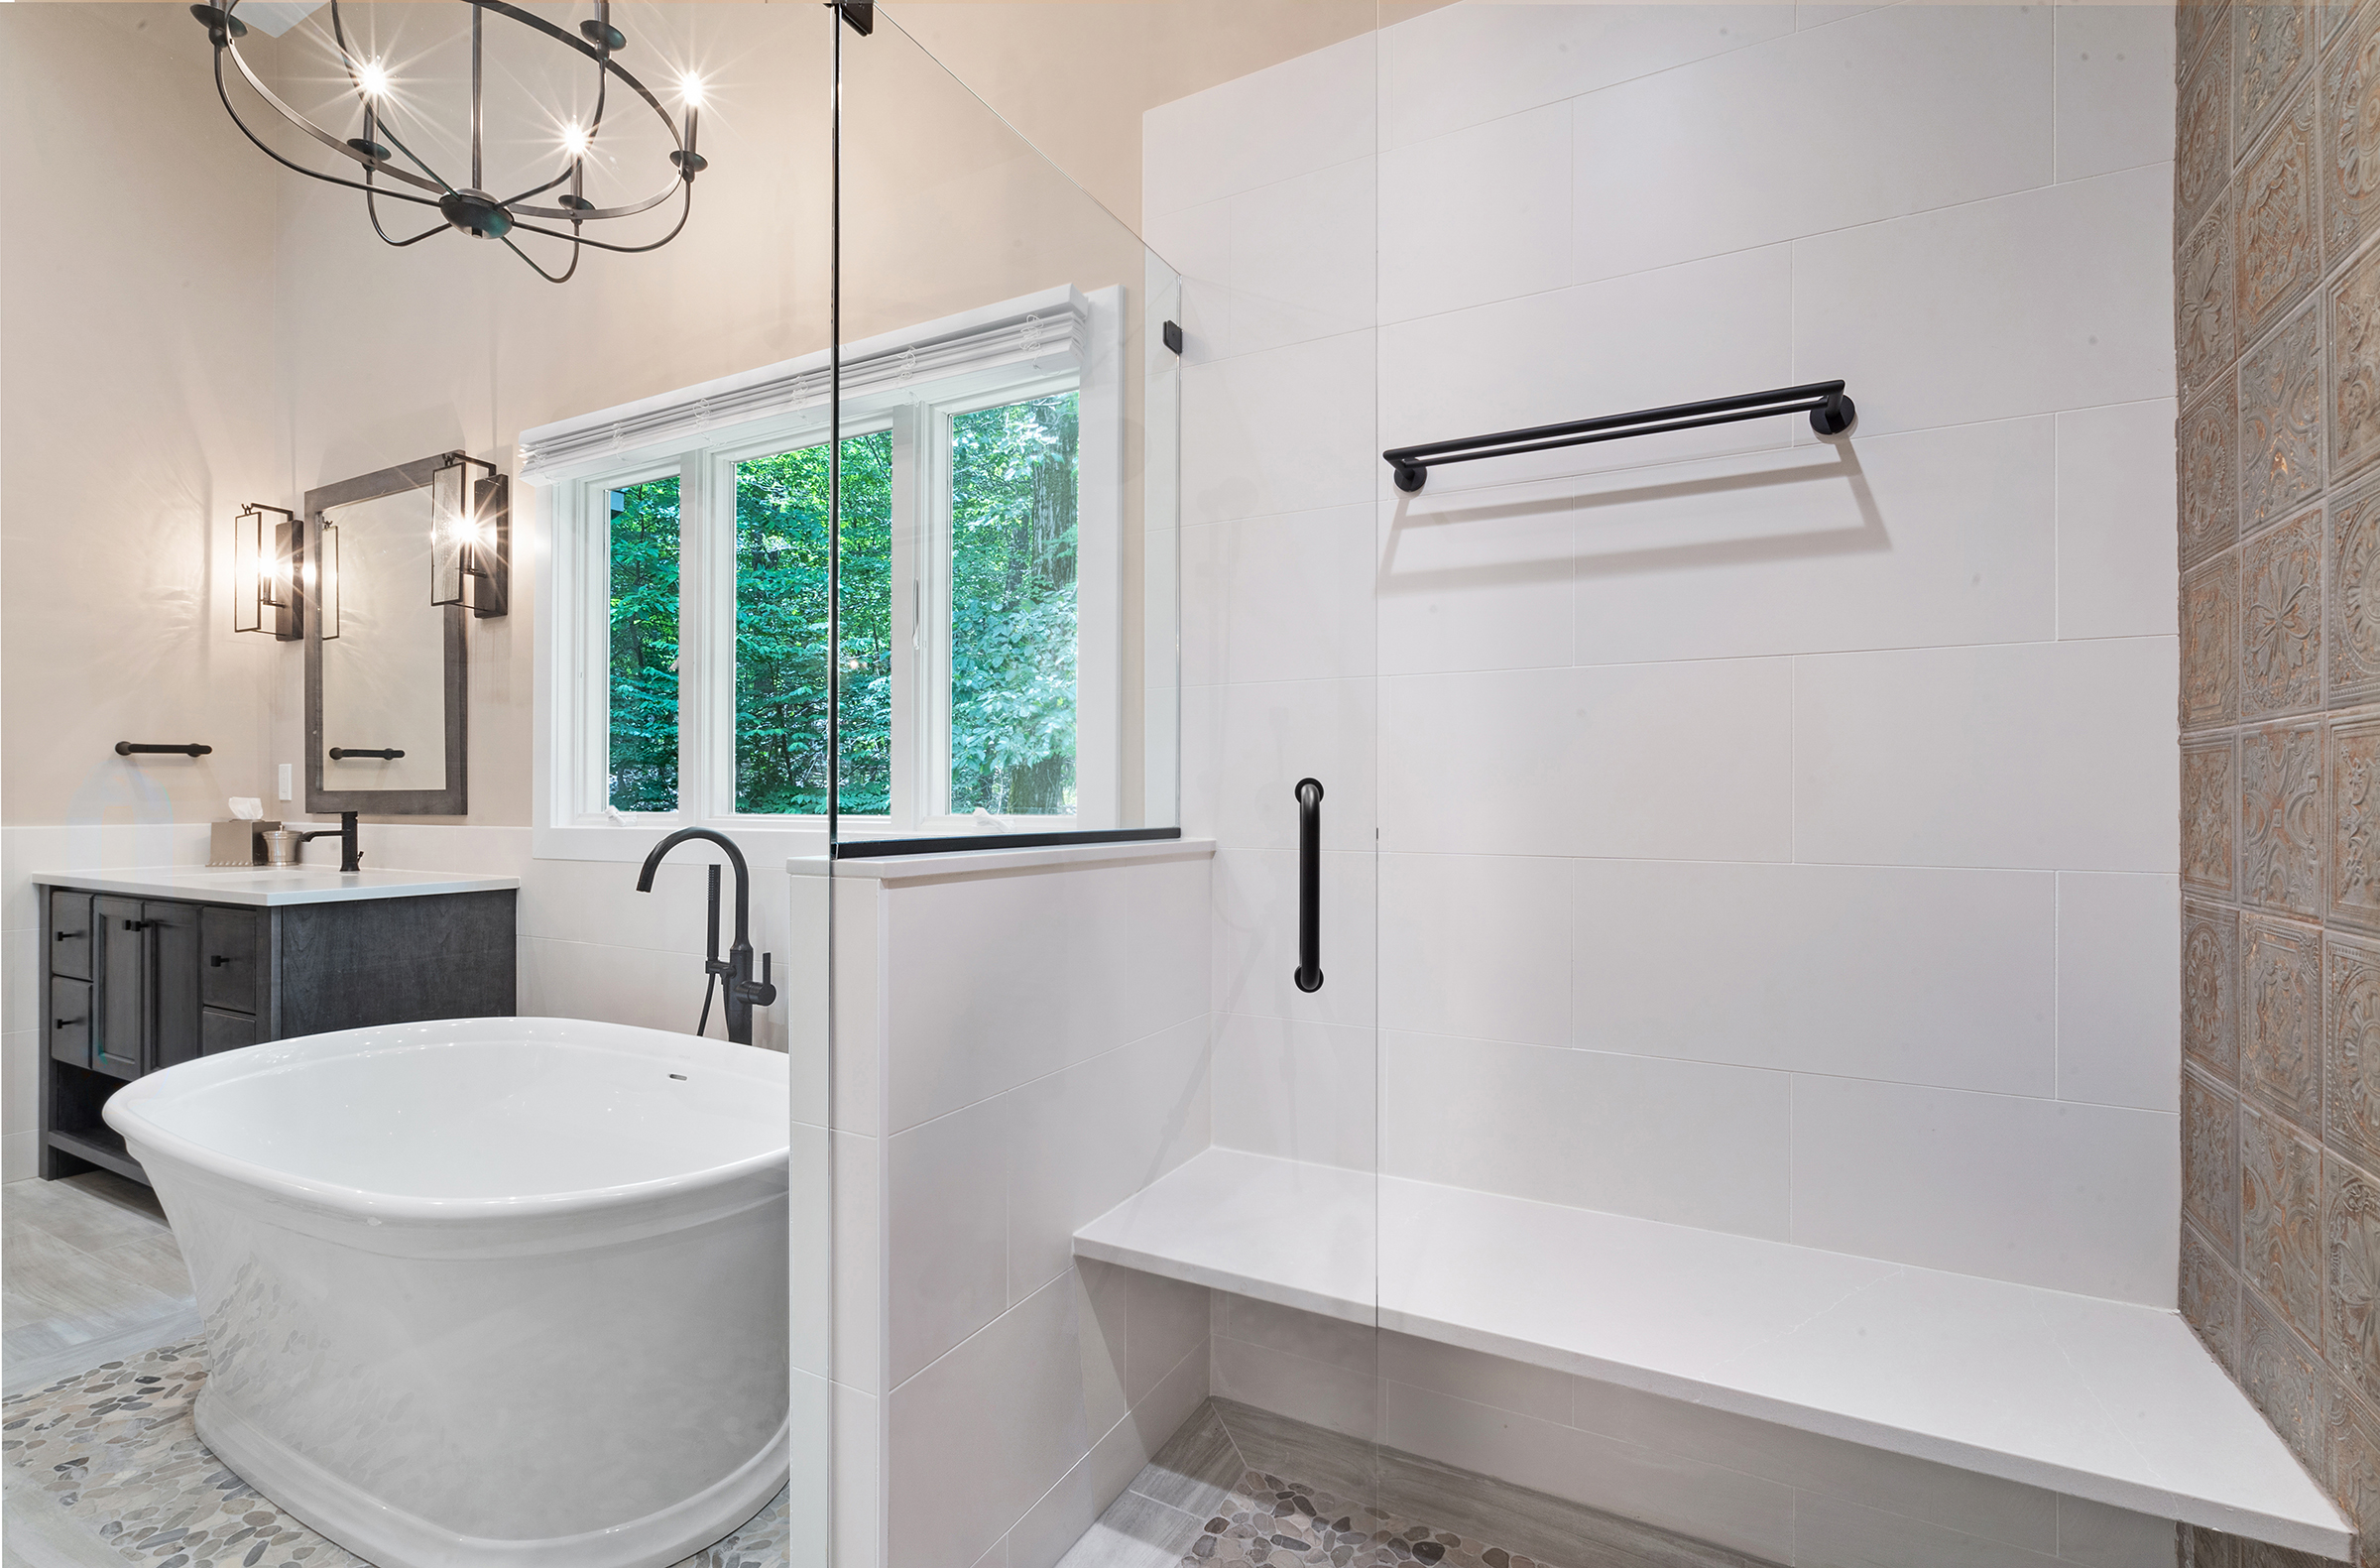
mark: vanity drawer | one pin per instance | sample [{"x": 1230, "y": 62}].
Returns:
[
  {"x": 220, "y": 1031},
  {"x": 70, "y": 1022},
  {"x": 71, "y": 934},
  {"x": 228, "y": 943}
]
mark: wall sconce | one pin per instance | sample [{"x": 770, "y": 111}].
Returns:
[
  {"x": 264, "y": 597},
  {"x": 471, "y": 536}
]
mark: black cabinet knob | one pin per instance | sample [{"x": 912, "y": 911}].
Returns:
[{"x": 216, "y": 961}]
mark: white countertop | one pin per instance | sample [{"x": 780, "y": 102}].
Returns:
[
  {"x": 992, "y": 857},
  {"x": 2108, "y": 1400},
  {"x": 267, "y": 887}
]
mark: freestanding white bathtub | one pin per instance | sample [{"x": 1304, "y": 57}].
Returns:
[{"x": 486, "y": 1293}]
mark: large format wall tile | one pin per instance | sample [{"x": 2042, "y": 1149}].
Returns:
[
  {"x": 2350, "y": 137},
  {"x": 2350, "y": 1246},
  {"x": 2208, "y": 457},
  {"x": 2281, "y": 1019},
  {"x": 2210, "y": 1298},
  {"x": 2281, "y": 422},
  {"x": 2279, "y": 249},
  {"x": 2353, "y": 395},
  {"x": 1499, "y": 226},
  {"x": 1948, "y": 105},
  {"x": 2074, "y": 1197},
  {"x": 1304, "y": 114},
  {"x": 2281, "y": 619},
  {"x": 2281, "y": 1219},
  {"x": 2353, "y": 764},
  {"x": 1290, "y": 429},
  {"x": 1956, "y": 969},
  {"x": 2009, "y": 348},
  {"x": 1476, "y": 946},
  {"x": 1927, "y": 539},
  {"x": 2281, "y": 849},
  {"x": 2116, "y": 497},
  {"x": 2209, "y": 650},
  {"x": 2202, "y": 140},
  {"x": 2271, "y": 47},
  {"x": 2351, "y": 597},
  {"x": 2285, "y": 1378},
  {"x": 1687, "y": 1142},
  {"x": 2115, "y": 88},
  {"x": 2209, "y": 811},
  {"x": 2351, "y": 1047},
  {"x": 2211, "y": 1158},
  {"x": 2118, "y": 984},
  {"x": 2044, "y": 754},
  {"x": 2205, "y": 301},
  {"x": 2211, "y": 986}
]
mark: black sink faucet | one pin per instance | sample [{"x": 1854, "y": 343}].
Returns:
[
  {"x": 742, "y": 992},
  {"x": 351, "y": 852}
]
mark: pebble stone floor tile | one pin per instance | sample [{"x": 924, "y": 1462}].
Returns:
[
  {"x": 115, "y": 1448},
  {"x": 1266, "y": 1520}
]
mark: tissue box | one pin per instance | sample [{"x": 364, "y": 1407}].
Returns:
[{"x": 238, "y": 843}]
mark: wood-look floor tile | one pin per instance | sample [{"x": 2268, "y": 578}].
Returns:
[
  {"x": 1195, "y": 1469},
  {"x": 1137, "y": 1532}
]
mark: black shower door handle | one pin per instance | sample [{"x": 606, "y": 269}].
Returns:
[{"x": 1309, "y": 885}]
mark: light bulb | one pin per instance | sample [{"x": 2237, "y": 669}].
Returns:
[
  {"x": 574, "y": 140},
  {"x": 372, "y": 78},
  {"x": 690, "y": 86}
]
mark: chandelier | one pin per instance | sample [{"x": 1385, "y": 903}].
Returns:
[{"x": 380, "y": 159}]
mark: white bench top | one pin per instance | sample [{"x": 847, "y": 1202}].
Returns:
[{"x": 2108, "y": 1400}]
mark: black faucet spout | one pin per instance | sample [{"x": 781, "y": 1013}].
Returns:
[{"x": 744, "y": 991}]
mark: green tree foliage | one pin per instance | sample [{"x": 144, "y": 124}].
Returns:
[
  {"x": 1014, "y": 482},
  {"x": 643, "y": 648},
  {"x": 781, "y": 628}
]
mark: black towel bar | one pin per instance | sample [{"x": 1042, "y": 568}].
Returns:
[{"x": 1830, "y": 414}]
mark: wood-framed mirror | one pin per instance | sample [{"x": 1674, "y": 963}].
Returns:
[{"x": 386, "y": 669}]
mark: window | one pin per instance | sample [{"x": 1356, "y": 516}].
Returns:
[{"x": 684, "y": 668}]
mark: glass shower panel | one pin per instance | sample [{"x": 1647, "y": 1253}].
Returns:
[{"x": 662, "y": 659}]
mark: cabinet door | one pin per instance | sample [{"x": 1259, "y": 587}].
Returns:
[
  {"x": 221, "y": 1032},
  {"x": 70, "y": 1022},
  {"x": 69, "y": 938},
  {"x": 227, "y": 942},
  {"x": 175, "y": 969},
  {"x": 121, "y": 1014}
]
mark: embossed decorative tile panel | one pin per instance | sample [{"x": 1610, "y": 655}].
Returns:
[
  {"x": 2196, "y": 24},
  {"x": 2281, "y": 422},
  {"x": 2205, "y": 302},
  {"x": 2211, "y": 986},
  {"x": 2281, "y": 1219},
  {"x": 2203, "y": 132},
  {"x": 2210, "y": 1298},
  {"x": 2278, "y": 255},
  {"x": 2356, "y": 1472},
  {"x": 2350, "y": 137},
  {"x": 2352, "y": 742},
  {"x": 2351, "y": 1047},
  {"x": 2354, "y": 379},
  {"x": 2206, "y": 460},
  {"x": 2272, "y": 45},
  {"x": 2209, "y": 796},
  {"x": 2286, "y": 1379},
  {"x": 2210, "y": 644},
  {"x": 2210, "y": 1157},
  {"x": 2281, "y": 619},
  {"x": 2280, "y": 1020},
  {"x": 2351, "y": 598},
  {"x": 2351, "y": 1275},
  {"x": 2281, "y": 818}
]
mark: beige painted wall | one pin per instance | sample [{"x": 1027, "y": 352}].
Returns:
[{"x": 137, "y": 412}]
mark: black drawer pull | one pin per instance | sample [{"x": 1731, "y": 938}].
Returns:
[
  {"x": 67, "y": 1023},
  {"x": 138, "y": 926},
  {"x": 67, "y": 937},
  {"x": 216, "y": 961}
]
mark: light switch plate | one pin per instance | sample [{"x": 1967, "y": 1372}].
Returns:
[{"x": 287, "y": 781}]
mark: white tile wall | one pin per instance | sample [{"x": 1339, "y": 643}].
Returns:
[{"x": 1773, "y": 834}]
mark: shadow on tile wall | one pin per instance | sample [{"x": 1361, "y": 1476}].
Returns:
[{"x": 2276, "y": 342}]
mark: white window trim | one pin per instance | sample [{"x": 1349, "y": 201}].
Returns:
[{"x": 1057, "y": 336}]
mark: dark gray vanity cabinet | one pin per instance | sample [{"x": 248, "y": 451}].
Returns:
[{"x": 134, "y": 983}]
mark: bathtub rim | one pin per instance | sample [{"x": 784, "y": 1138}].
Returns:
[{"x": 375, "y": 1207}]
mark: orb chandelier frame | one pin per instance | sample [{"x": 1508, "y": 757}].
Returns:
[{"x": 380, "y": 154}]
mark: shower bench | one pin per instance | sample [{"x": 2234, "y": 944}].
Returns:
[{"x": 2108, "y": 1400}]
